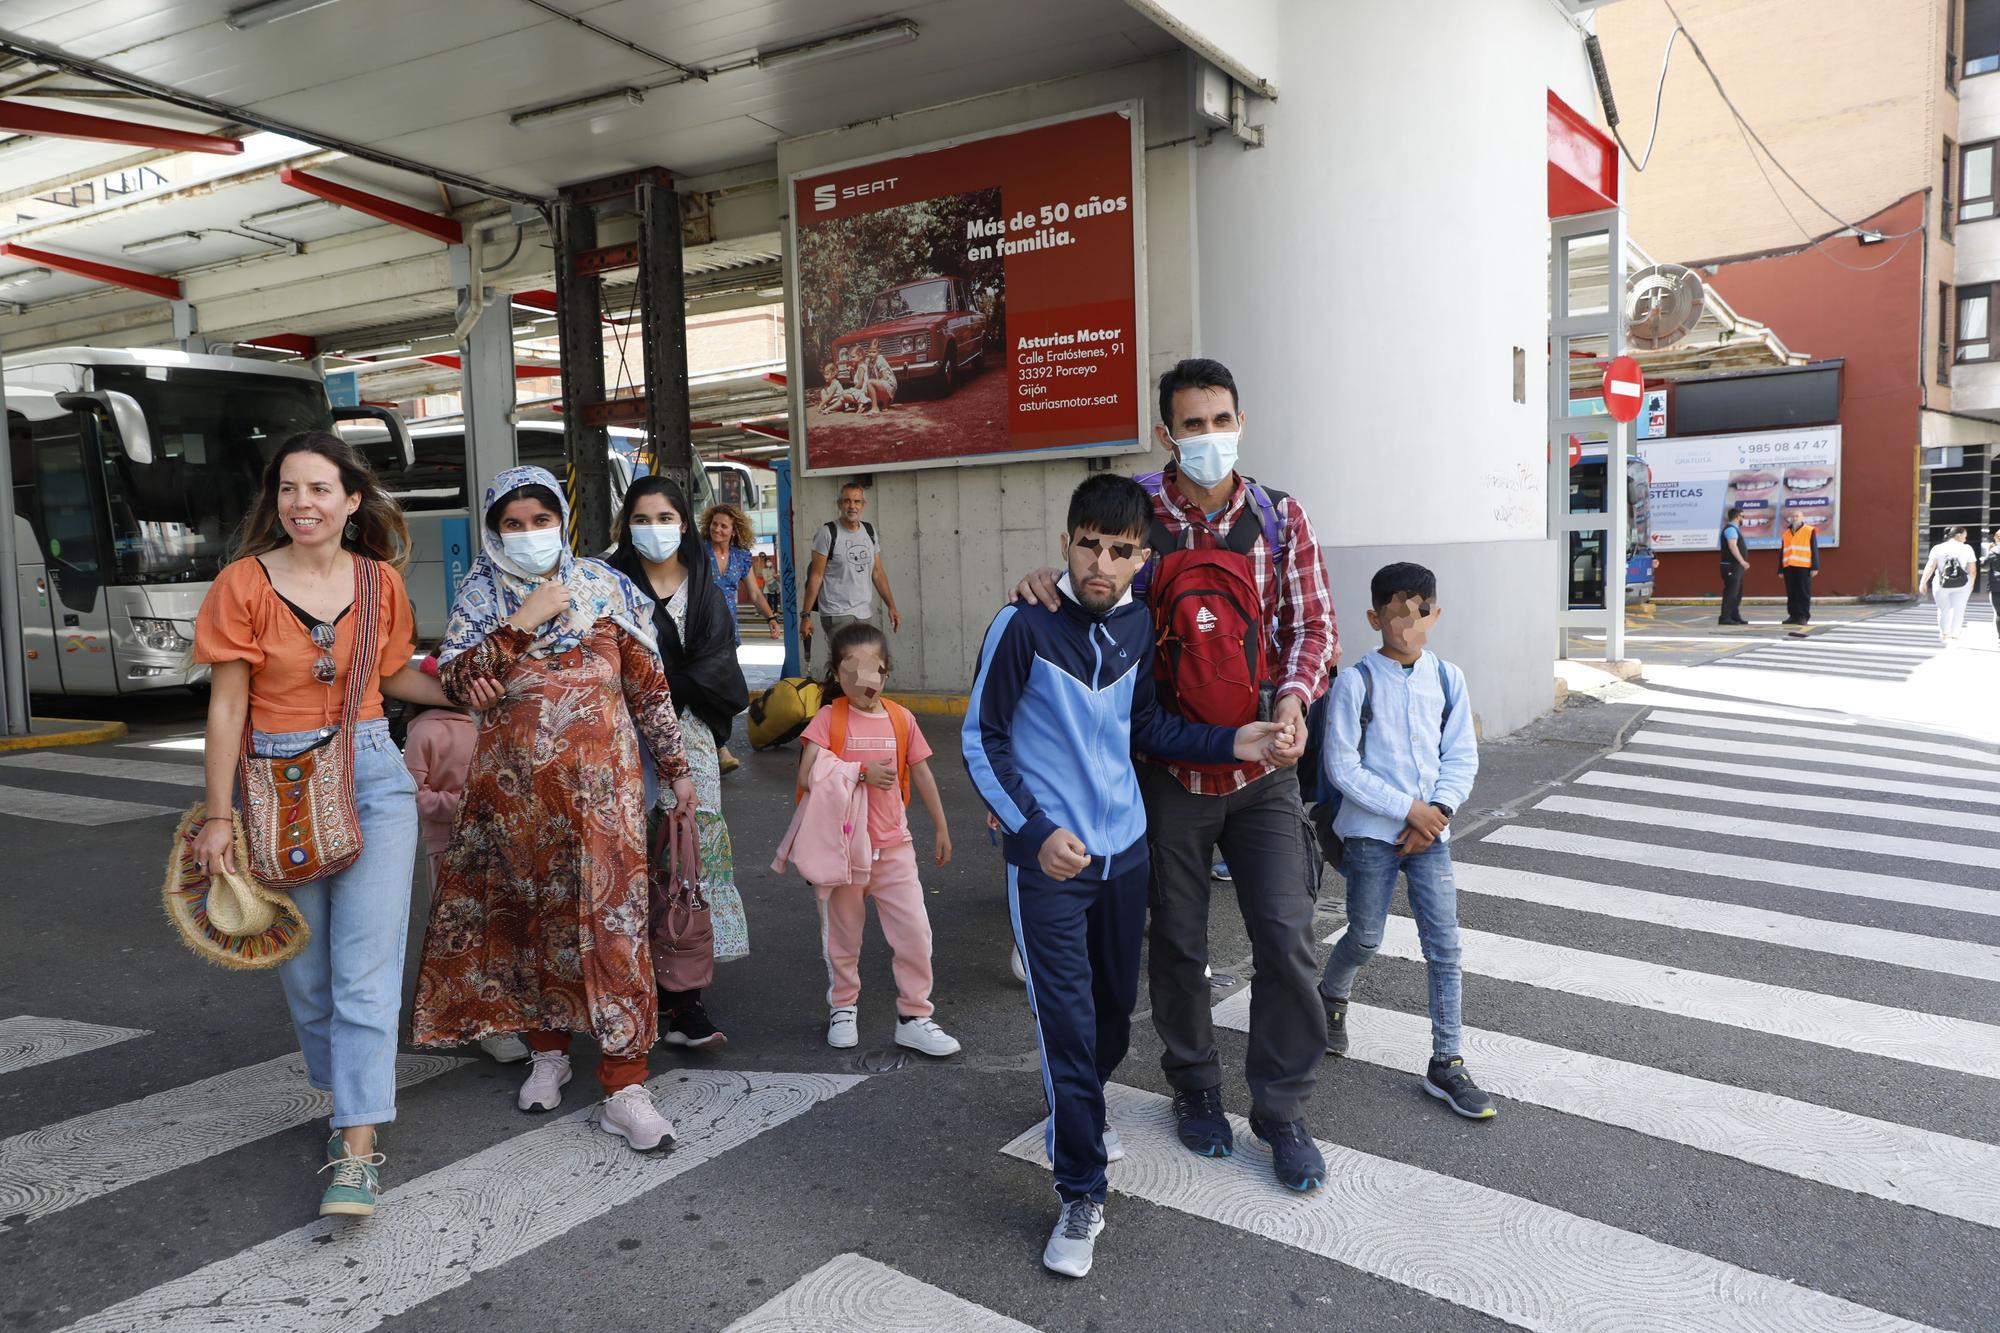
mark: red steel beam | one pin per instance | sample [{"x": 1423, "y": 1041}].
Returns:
[
  {"x": 523, "y": 370},
  {"x": 629, "y": 410},
  {"x": 590, "y": 263},
  {"x": 768, "y": 432},
  {"x": 539, "y": 299},
  {"x": 131, "y": 278},
  {"x": 434, "y": 225},
  {"x": 51, "y": 123}
]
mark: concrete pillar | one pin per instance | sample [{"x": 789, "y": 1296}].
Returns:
[{"x": 487, "y": 386}]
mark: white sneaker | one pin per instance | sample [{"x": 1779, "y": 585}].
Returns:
[
  {"x": 630, "y": 1114},
  {"x": 920, "y": 1034},
  {"x": 506, "y": 1048},
  {"x": 1073, "y": 1244},
  {"x": 547, "y": 1073},
  {"x": 840, "y": 1033},
  {"x": 1020, "y": 968}
]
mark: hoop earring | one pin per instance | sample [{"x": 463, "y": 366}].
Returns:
[{"x": 352, "y": 531}]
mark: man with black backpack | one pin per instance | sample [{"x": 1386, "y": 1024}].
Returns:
[
  {"x": 1245, "y": 629},
  {"x": 846, "y": 572}
]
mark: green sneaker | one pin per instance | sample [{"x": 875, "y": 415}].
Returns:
[{"x": 356, "y": 1181}]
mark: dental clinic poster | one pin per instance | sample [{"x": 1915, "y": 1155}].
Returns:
[{"x": 1772, "y": 474}]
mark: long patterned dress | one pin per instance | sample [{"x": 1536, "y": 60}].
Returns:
[
  {"x": 718, "y": 858},
  {"x": 539, "y": 919}
]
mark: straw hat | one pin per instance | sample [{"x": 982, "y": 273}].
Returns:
[{"x": 229, "y": 918}]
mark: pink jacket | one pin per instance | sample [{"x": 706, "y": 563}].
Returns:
[
  {"x": 438, "y": 753},
  {"x": 828, "y": 840}
]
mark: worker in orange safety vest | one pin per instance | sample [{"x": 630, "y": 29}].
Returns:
[{"x": 1800, "y": 559}]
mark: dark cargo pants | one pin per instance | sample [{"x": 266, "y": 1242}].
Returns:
[{"x": 1262, "y": 832}]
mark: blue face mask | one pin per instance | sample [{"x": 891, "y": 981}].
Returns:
[
  {"x": 537, "y": 551},
  {"x": 656, "y": 542},
  {"x": 1207, "y": 460}
]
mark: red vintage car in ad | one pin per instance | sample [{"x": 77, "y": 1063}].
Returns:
[{"x": 928, "y": 329}]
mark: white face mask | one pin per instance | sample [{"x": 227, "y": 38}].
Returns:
[
  {"x": 656, "y": 542},
  {"x": 537, "y": 551},
  {"x": 1207, "y": 460}
]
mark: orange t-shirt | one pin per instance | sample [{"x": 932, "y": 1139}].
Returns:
[{"x": 244, "y": 620}]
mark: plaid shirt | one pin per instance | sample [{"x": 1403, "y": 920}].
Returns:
[{"x": 1299, "y": 605}]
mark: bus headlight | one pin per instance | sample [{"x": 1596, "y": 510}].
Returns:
[{"x": 162, "y": 636}]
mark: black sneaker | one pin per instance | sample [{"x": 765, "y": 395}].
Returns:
[
  {"x": 687, "y": 1024},
  {"x": 1449, "y": 1082},
  {"x": 1336, "y": 1025},
  {"x": 1201, "y": 1123},
  {"x": 1295, "y": 1158}
]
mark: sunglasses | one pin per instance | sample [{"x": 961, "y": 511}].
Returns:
[
  {"x": 1095, "y": 545},
  {"x": 323, "y": 668}
]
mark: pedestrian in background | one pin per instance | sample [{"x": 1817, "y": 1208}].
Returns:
[
  {"x": 727, "y": 530},
  {"x": 1735, "y": 565},
  {"x": 1799, "y": 554},
  {"x": 846, "y": 572},
  {"x": 1948, "y": 577},
  {"x": 278, "y": 630},
  {"x": 1989, "y": 563}
]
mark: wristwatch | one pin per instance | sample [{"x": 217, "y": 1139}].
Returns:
[{"x": 1441, "y": 806}]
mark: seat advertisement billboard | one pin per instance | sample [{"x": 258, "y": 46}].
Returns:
[
  {"x": 977, "y": 300},
  {"x": 1771, "y": 474}
]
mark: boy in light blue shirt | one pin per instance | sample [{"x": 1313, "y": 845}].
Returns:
[{"x": 1400, "y": 751}]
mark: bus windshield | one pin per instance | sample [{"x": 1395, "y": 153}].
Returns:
[{"x": 175, "y": 518}]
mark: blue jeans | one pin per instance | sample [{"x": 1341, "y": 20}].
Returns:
[
  {"x": 1371, "y": 868},
  {"x": 345, "y": 989}
]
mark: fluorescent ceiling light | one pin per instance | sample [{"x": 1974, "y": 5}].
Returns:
[
  {"x": 393, "y": 349},
  {"x": 310, "y": 209},
  {"x": 594, "y": 107},
  {"x": 270, "y": 11},
  {"x": 166, "y": 242},
  {"x": 24, "y": 278},
  {"x": 840, "y": 44}
]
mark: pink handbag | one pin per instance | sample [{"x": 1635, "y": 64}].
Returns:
[{"x": 683, "y": 932}]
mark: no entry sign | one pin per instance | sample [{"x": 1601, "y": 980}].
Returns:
[{"x": 1624, "y": 388}]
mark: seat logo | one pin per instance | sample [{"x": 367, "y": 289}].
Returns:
[{"x": 1204, "y": 621}]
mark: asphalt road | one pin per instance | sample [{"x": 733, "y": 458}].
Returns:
[{"x": 1745, "y": 1044}]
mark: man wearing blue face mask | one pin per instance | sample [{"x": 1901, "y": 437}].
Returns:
[{"x": 1245, "y": 622}]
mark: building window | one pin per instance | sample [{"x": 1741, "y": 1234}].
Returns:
[
  {"x": 1944, "y": 333},
  {"x": 1974, "y": 342},
  {"x": 1982, "y": 37},
  {"x": 1975, "y": 181},
  {"x": 1948, "y": 213}
]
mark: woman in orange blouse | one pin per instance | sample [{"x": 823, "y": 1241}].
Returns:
[{"x": 277, "y": 629}]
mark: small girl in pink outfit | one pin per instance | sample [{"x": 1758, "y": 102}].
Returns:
[
  {"x": 860, "y": 668},
  {"x": 437, "y": 749}
]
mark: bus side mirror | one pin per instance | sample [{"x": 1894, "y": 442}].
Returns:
[
  {"x": 400, "y": 443},
  {"x": 128, "y": 419}
]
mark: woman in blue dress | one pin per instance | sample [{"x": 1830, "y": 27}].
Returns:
[{"x": 727, "y": 532}]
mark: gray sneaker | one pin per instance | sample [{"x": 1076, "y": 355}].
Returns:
[{"x": 1073, "y": 1243}]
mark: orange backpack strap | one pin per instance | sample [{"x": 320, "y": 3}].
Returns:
[{"x": 901, "y": 721}]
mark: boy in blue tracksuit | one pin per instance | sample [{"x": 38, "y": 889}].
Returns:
[
  {"x": 1061, "y": 699},
  {"x": 1400, "y": 751}
]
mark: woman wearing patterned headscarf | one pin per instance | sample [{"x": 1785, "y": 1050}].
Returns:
[{"x": 539, "y": 921}]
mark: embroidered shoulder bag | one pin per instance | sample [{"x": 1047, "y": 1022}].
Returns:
[{"x": 298, "y": 811}]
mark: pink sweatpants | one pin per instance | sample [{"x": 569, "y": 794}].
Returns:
[{"x": 899, "y": 903}]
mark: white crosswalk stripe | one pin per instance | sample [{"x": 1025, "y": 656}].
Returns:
[
  {"x": 1500, "y": 1254},
  {"x": 1938, "y": 1172},
  {"x": 1892, "y": 811},
  {"x": 1815, "y": 835},
  {"x": 853, "y": 1294},
  {"x": 1799, "y": 777},
  {"x": 63, "y": 808},
  {"x": 90, "y": 766},
  {"x": 1935, "y": 1040},
  {"x": 1951, "y": 957},
  {"x": 26, "y": 1041},
  {"x": 438, "y": 1231},
  {"x": 1965, "y": 752},
  {"x": 1853, "y": 883},
  {"x": 44, "y": 1171},
  {"x": 1826, "y": 754}
]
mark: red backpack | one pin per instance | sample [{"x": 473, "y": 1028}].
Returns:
[{"x": 1213, "y": 648}]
